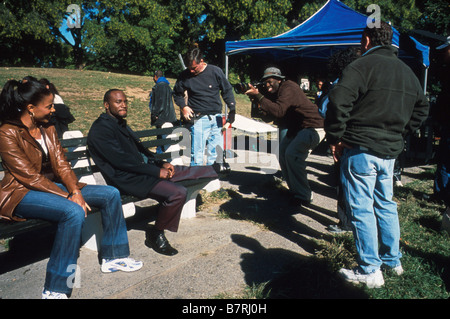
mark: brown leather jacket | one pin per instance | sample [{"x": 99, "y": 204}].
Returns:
[{"x": 22, "y": 161}]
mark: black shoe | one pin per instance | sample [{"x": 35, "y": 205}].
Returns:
[
  {"x": 295, "y": 201},
  {"x": 158, "y": 241},
  {"x": 222, "y": 169}
]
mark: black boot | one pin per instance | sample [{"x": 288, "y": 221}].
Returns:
[
  {"x": 159, "y": 243},
  {"x": 222, "y": 169}
]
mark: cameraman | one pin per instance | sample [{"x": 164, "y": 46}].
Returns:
[{"x": 285, "y": 100}]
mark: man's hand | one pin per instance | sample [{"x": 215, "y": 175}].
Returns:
[
  {"x": 167, "y": 171},
  {"x": 252, "y": 91},
  {"x": 231, "y": 117},
  {"x": 337, "y": 150},
  {"x": 187, "y": 113}
]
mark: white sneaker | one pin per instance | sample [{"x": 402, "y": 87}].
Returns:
[
  {"x": 53, "y": 295},
  {"x": 398, "y": 270},
  {"x": 398, "y": 183},
  {"x": 123, "y": 264},
  {"x": 372, "y": 280}
]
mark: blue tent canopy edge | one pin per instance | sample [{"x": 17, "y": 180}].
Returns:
[{"x": 334, "y": 25}]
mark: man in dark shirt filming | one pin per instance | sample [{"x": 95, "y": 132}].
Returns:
[
  {"x": 204, "y": 84},
  {"x": 285, "y": 100}
]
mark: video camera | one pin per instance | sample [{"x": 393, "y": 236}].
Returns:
[{"x": 241, "y": 88}]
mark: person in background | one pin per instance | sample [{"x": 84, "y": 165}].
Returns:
[
  {"x": 39, "y": 183},
  {"x": 205, "y": 84},
  {"x": 336, "y": 64},
  {"x": 320, "y": 91},
  {"x": 442, "y": 118},
  {"x": 377, "y": 99},
  {"x": 161, "y": 105},
  {"x": 62, "y": 117}
]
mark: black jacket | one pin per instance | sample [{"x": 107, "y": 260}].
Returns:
[
  {"x": 204, "y": 91},
  {"x": 294, "y": 107},
  {"x": 161, "y": 104},
  {"x": 375, "y": 103},
  {"x": 121, "y": 158}
]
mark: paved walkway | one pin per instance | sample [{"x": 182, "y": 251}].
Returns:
[{"x": 216, "y": 255}]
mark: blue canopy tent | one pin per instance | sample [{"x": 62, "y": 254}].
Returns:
[{"x": 334, "y": 27}]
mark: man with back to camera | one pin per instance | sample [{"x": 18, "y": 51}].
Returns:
[
  {"x": 205, "y": 84},
  {"x": 285, "y": 100},
  {"x": 125, "y": 163},
  {"x": 161, "y": 105},
  {"x": 377, "y": 100}
]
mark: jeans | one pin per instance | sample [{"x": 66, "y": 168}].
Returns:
[
  {"x": 70, "y": 218},
  {"x": 206, "y": 133},
  {"x": 368, "y": 189},
  {"x": 442, "y": 177},
  {"x": 293, "y": 154}
]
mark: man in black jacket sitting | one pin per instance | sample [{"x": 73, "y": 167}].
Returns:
[{"x": 126, "y": 164}]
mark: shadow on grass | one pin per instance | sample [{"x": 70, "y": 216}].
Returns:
[
  {"x": 439, "y": 262},
  {"x": 288, "y": 275}
]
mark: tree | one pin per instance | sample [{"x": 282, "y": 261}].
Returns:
[
  {"x": 212, "y": 22},
  {"x": 33, "y": 27},
  {"x": 135, "y": 36}
]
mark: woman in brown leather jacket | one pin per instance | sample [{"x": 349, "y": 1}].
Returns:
[{"x": 39, "y": 183}]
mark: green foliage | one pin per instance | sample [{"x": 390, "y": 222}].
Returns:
[
  {"x": 139, "y": 36},
  {"x": 132, "y": 36},
  {"x": 435, "y": 16}
]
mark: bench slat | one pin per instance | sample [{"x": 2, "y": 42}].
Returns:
[
  {"x": 160, "y": 142},
  {"x": 155, "y": 132}
]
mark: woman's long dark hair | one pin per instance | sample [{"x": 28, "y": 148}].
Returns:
[{"x": 16, "y": 95}]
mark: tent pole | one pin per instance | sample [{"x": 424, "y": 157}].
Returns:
[
  {"x": 226, "y": 112},
  {"x": 226, "y": 66},
  {"x": 425, "y": 81}
]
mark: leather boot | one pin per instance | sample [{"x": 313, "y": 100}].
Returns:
[{"x": 159, "y": 243}]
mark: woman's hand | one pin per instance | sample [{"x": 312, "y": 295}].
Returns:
[{"x": 76, "y": 197}]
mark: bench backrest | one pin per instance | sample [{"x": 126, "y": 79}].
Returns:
[{"x": 82, "y": 164}]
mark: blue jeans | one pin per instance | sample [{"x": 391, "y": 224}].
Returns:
[
  {"x": 367, "y": 186},
  {"x": 69, "y": 217},
  {"x": 206, "y": 133}
]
